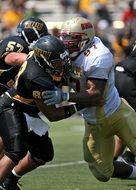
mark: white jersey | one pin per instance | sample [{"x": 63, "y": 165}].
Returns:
[{"x": 97, "y": 62}]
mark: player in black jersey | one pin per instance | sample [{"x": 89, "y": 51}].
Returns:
[
  {"x": 125, "y": 81},
  {"x": 14, "y": 49},
  {"x": 43, "y": 70},
  {"x": 13, "y": 52},
  {"x": 7, "y": 71}
]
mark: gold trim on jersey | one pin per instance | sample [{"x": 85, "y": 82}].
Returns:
[
  {"x": 10, "y": 83},
  {"x": 22, "y": 69},
  {"x": 2, "y": 71},
  {"x": 22, "y": 100}
]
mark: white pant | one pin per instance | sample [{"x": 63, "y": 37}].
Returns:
[{"x": 37, "y": 125}]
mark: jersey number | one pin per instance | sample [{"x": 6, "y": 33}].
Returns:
[{"x": 11, "y": 46}]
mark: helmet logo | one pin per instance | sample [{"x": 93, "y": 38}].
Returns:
[
  {"x": 87, "y": 25},
  {"x": 36, "y": 25},
  {"x": 42, "y": 53}
]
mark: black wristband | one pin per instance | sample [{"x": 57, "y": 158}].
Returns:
[{"x": 67, "y": 111}]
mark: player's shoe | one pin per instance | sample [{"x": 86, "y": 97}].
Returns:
[
  {"x": 2, "y": 187},
  {"x": 128, "y": 157},
  {"x": 10, "y": 183}
]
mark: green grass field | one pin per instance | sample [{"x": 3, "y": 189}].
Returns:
[{"x": 68, "y": 171}]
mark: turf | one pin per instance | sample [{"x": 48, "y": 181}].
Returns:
[{"x": 68, "y": 171}]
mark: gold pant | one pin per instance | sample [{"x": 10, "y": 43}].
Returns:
[{"x": 98, "y": 141}]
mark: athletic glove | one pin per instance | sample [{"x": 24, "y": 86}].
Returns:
[{"x": 52, "y": 97}]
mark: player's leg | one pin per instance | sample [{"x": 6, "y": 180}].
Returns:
[
  {"x": 125, "y": 129},
  {"x": 13, "y": 131},
  {"x": 124, "y": 78},
  {"x": 98, "y": 151},
  {"x": 41, "y": 151}
]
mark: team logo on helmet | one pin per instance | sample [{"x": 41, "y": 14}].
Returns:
[{"x": 36, "y": 25}]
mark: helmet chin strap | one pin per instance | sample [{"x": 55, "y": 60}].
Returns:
[{"x": 87, "y": 45}]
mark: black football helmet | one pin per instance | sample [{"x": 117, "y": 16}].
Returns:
[
  {"x": 51, "y": 55},
  {"x": 31, "y": 29}
]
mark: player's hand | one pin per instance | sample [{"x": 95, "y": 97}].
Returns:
[{"x": 52, "y": 97}]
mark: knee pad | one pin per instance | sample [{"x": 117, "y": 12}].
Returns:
[
  {"x": 40, "y": 148},
  {"x": 101, "y": 173},
  {"x": 13, "y": 131}
]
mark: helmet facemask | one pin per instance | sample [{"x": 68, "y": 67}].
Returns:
[
  {"x": 74, "y": 42},
  {"x": 27, "y": 35},
  {"x": 55, "y": 67}
]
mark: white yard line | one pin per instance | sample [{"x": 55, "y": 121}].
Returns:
[{"x": 63, "y": 164}]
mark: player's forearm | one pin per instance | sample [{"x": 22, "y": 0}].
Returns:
[
  {"x": 62, "y": 113},
  {"x": 53, "y": 113},
  {"x": 15, "y": 59},
  {"x": 84, "y": 98}
]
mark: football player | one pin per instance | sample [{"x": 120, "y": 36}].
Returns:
[
  {"x": 13, "y": 52},
  {"x": 125, "y": 81},
  {"x": 96, "y": 82},
  {"x": 43, "y": 69},
  {"x": 14, "y": 49}
]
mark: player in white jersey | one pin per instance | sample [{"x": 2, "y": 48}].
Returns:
[
  {"x": 98, "y": 66},
  {"x": 105, "y": 114}
]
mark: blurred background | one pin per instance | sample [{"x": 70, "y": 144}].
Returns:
[{"x": 112, "y": 18}]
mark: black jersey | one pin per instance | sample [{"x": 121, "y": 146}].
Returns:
[
  {"x": 31, "y": 82},
  {"x": 129, "y": 65},
  {"x": 125, "y": 80},
  {"x": 8, "y": 72}
]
